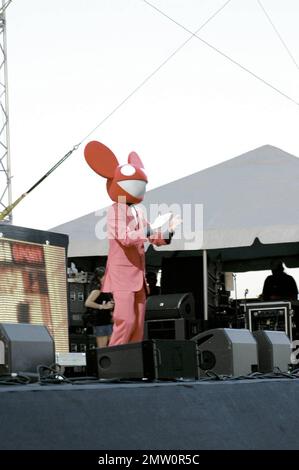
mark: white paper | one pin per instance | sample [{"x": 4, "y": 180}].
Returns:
[{"x": 161, "y": 220}]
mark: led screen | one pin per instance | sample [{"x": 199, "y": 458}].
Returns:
[{"x": 33, "y": 287}]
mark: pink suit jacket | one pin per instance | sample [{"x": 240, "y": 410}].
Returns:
[{"x": 125, "y": 270}]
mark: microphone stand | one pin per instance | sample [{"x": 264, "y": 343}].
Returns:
[
  {"x": 236, "y": 297},
  {"x": 245, "y": 307}
]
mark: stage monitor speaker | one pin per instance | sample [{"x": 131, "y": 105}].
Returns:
[
  {"x": 274, "y": 350},
  {"x": 159, "y": 307},
  {"x": 227, "y": 351},
  {"x": 166, "y": 329},
  {"x": 24, "y": 346},
  {"x": 153, "y": 359}
]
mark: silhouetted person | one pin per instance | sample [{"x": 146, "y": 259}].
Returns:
[
  {"x": 279, "y": 286},
  {"x": 151, "y": 279}
]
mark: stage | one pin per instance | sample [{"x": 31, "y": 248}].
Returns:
[{"x": 202, "y": 415}]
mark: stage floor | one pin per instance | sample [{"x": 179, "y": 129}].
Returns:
[{"x": 232, "y": 414}]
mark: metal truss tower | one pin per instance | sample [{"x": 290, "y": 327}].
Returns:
[{"x": 5, "y": 171}]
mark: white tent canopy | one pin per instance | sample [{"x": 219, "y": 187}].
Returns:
[{"x": 251, "y": 197}]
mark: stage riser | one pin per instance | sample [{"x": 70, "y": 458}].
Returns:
[{"x": 211, "y": 415}]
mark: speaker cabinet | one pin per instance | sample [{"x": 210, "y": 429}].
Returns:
[
  {"x": 227, "y": 351},
  {"x": 184, "y": 274},
  {"x": 274, "y": 350},
  {"x": 24, "y": 346},
  {"x": 170, "y": 306},
  {"x": 76, "y": 297},
  {"x": 177, "y": 328},
  {"x": 80, "y": 343},
  {"x": 166, "y": 329},
  {"x": 154, "y": 359}
]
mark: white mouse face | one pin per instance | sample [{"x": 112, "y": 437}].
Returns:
[{"x": 134, "y": 187}]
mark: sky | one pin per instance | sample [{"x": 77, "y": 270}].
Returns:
[{"x": 72, "y": 62}]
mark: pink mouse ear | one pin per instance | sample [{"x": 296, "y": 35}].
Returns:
[
  {"x": 135, "y": 160},
  {"x": 100, "y": 159}
]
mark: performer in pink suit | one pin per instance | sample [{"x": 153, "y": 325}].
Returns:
[{"x": 127, "y": 232}]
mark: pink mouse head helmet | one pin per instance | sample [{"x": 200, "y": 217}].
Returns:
[{"x": 123, "y": 181}]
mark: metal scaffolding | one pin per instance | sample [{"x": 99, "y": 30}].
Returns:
[{"x": 5, "y": 169}]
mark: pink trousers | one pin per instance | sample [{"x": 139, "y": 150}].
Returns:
[{"x": 128, "y": 317}]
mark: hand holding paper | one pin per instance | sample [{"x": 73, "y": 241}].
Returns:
[
  {"x": 169, "y": 220},
  {"x": 174, "y": 222},
  {"x": 161, "y": 220}
]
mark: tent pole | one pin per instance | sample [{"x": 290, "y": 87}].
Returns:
[{"x": 205, "y": 286}]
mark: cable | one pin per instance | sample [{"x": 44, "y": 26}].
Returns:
[
  {"x": 83, "y": 380},
  {"x": 14, "y": 378},
  {"x": 265, "y": 82},
  {"x": 278, "y": 34},
  {"x": 295, "y": 373},
  {"x": 49, "y": 375},
  {"x": 8, "y": 209},
  {"x": 4, "y": 6},
  {"x": 275, "y": 374},
  {"x": 67, "y": 155},
  {"x": 148, "y": 77}
]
